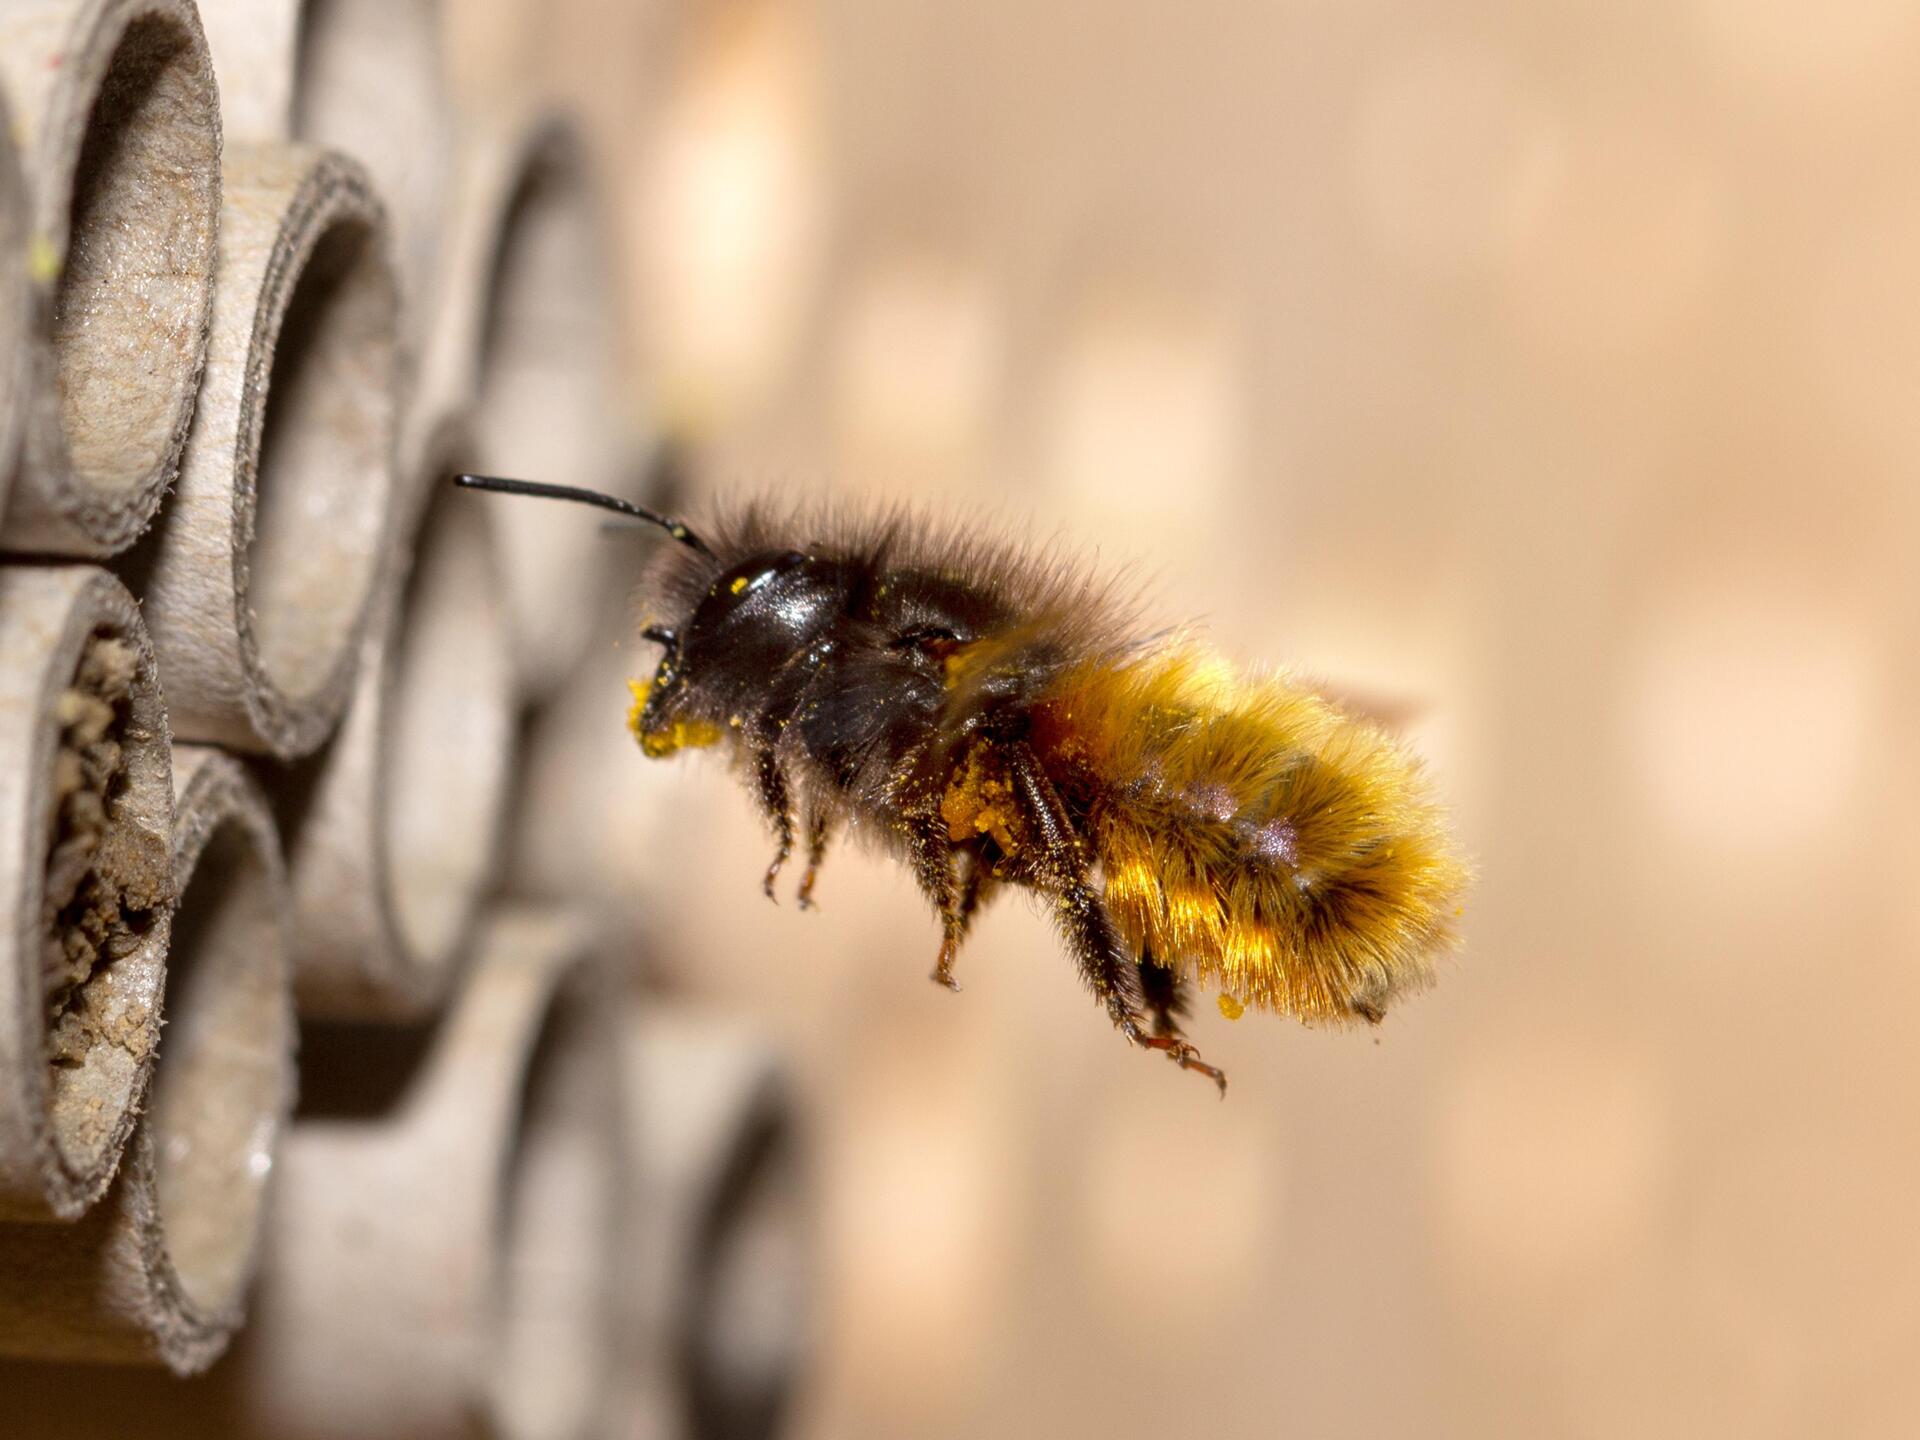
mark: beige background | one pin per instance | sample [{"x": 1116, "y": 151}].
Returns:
[{"x": 1548, "y": 366}]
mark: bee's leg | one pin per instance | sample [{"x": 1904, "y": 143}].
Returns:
[
  {"x": 1165, "y": 996},
  {"x": 773, "y": 799},
  {"x": 1060, "y": 860},
  {"x": 931, "y": 854},
  {"x": 976, "y": 889},
  {"x": 819, "y": 830}
]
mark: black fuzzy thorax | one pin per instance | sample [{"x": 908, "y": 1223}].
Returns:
[{"x": 824, "y": 638}]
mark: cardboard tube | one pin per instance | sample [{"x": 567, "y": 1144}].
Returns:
[
  {"x": 158, "y": 1271},
  {"x": 261, "y": 569},
  {"x": 393, "y": 829},
  {"x": 13, "y": 298},
  {"x": 723, "y": 1290},
  {"x": 524, "y": 328},
  {"x": 86, "y": 882},
  {"x": 444, "y": 1244},
  {"x": 107, "y": 95},
  {"x": 253, "y": 47},
  {"x": 368, "y": 82},
  {"x": 363, "y": 77}
]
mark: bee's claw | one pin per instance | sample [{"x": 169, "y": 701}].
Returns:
[{"x": 1182, "y": 1052}]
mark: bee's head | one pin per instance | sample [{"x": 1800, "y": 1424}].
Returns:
[{"x": 733, "y": 660}]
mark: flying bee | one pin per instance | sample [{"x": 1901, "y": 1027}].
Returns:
[{"x": 994, "y": 720}]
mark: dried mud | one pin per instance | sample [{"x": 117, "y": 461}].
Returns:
[{"x": 108, "y": 879}]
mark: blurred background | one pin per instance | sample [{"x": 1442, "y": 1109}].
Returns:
[{"x": 1543, "y": 370}]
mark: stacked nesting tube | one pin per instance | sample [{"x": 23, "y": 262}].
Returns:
[{"x": 261, "y": 683}]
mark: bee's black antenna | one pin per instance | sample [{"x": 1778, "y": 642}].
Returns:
[{"x": 505, "y": 486}]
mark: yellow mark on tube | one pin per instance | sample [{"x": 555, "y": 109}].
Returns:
[{"x": 43, "y": 263}]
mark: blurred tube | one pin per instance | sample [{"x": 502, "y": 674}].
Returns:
[
  {"x": 723, "y": 1291},
  {"x": 106, "y": 96},
  {"x": 158, "y": 1270},
  {"x": 591, "y": 808},
  {"x": 445, "y": 1242},
  {"x": 369, "y": 83},
  {"x": 394, "y": 829},
  {"x": 263, "y": 565},
  {"x": 14, "y": 298},
  {"x": 86, "y": 882},
  {"x": 253, "y": 54},
  {"x": 523, "y": 329}
]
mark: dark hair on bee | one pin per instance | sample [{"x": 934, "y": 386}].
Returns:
[{"x": 995, "y": 717}]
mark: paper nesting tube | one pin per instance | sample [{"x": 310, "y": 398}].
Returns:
[
  {"x": 86, "y": 882},
  {"x": 722, "y": 1248},
  {"x": 108, "y": 96},
  {"x": 253, "y": 48},
  {"x": 394, "y": 827},
  {"x": 368, "y": 82},
  {"x": 13, "y": 297},
  {"x": 261, "y": 568},
  {"x": 158, "y": 1270},
  {"x": 591, "y": 808},
  {"x": 523, "y": 327},
  {"x": 444, "y": 1241}
]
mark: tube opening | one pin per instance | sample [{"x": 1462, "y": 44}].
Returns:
[
  {"x": 105, "y": 899},
  {"x": 219, "y": 1080},
  {"x": 325, "y": 462},
  {"x": 450, "y": 730},
  {"x": 556, "y": 1297}
]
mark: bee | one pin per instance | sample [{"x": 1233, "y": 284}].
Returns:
[{"x": 996, "y": 720}]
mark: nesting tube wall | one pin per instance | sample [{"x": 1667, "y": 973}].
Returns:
[
  {"x": 393, "y": 828},
  {"x": 724, "y": 1288},
  {"x": 253, "y": 54},
  {"x": 106, "y": 95},
  {"x": 262, "y": 567},
  {"x": 451, "y": 1213},
  {"x": 158, "y": 1271},
  {"x": 86, "y": 811},
  {"x": 363, "y": 77},
  {"x": 523, "y": 331},
  {"x": 366, "y": 73},
  {"x": 13, "y": 298}
]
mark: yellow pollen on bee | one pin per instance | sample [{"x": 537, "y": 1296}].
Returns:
[
  {"x": 738, "y": 585},
  {"x": 1230, "y": 1007},
  {"x": 680, "y": 735},
  {"x": 971, "y": 807}
]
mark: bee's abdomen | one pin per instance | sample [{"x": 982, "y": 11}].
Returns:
[{"x": 1254, "y": 837}]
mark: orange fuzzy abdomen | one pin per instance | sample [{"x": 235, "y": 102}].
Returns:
[{"x": 1254, "y": 837}]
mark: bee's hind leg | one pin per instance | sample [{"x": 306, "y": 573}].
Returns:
[
  {"x": 771, "y": 787},
  {"x": 1164, "y": 995}
]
